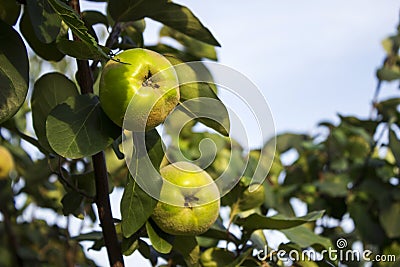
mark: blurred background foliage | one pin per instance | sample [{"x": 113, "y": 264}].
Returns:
[{"x": 349, "y": 170}]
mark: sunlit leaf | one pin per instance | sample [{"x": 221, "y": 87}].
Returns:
[
  {"x": 71, "y": 126},
  {"x": 173, "y": 15},
  {"x": 277, "y": 222},
  {"x": 305, "y": 238},
  {"x": 136, "y": 207},
  {"x": 161, "y": 241},
  {"x": 77, "y": 26}
]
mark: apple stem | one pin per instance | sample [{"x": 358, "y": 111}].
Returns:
[
  {"x": 189, "y": 199},
  {"x": 86, "y": 81}
]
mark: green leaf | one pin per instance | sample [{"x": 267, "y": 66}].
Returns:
[
  {"x": 188, "y": 247},
  {"x": 92, "y": 17},
  {"x": 161, "y": 241},
  {"x": 129, "y": 245},
  {"x": 183, "y": 20},
  {"x": 154, "y": 148},
  {"x": 91, "y": 236},
  {"x": 9, "y": 11},
  {"x": 173, "y": 15},
  {"x": 304, "y": 237},
  {"x": 86, "y": 182},
  {"x": 220, "y": 233},
  {"x": 136, "y": 207},
  {"x": 45, "y": 22},
  {"x": 389, "y": 74},
  {"x": 166, "y": 49},
  {"x": 77, "y": 26},
  {"x": 368, "y": 125},
  {"x": 258, "y": 239},
  {"x": 132, "y": 34},
  {"x": 394, "y": 145},
  {"x": 367, "y": 226},
  {"x": 286, "y": 141},
  {"x": 202, "y": 102},
  {"x": 390, "y": 220},
  {"x": 49, "y": 90},
  {"x": 278, "y": 222},
  {"x": 241, "y": 258},
  {"x": 136, "y": 204},
  {"x": 334, "y": 185},
  {"x": 192, "y": 46},
  {"x": 80, "y": 50},
  {"x": 79, "y": 128},
  {"x": 46, "y": 51},
  {"x": 14, "y": 72},
  {"x": 251, "y": 198},
  {"x": 216, "y": 257},
  {"x": 72, "y": 204}
]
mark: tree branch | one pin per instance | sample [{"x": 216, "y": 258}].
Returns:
[
  {"x": 12, "y": 239},
  {"x": 85, "y": 80}
]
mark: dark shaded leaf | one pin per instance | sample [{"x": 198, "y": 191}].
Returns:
[
  {"x": 390, "y": 220},
  {"x": 45, "y": 22},
  {"x": 9, "y": 11},
  {"x": 72, "y": 204},
  {"x": 129, "y": 245},
  {"x": 14, "y": 72},
  {"x": 81, "y": 50},
  {"x": 46, "y": 51},
  {"x": 49, "y": 90},
  {"x": 93, "y": 17},
  {"x": 188, "y": 247},
  {"x": 91, "y": 236},
  {"x": 394, "y": 145}
]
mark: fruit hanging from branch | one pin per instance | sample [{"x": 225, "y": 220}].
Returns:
[
  {"x": 6, "y": 163},
  {"x": 148, "y": 80},
  {"x": 189, "y": 202}
]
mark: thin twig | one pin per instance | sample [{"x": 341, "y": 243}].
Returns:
[
  {"x": 363, "y": 173},
  {"x": 112, "y": 38},
  {"x": 375, "y": 98},
  {"x": 68, "y": 183},
  {"x": 70, "y": 250}
]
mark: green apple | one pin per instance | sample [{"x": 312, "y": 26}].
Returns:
[
  {"x": 144, "y": 77},
  {"x": 6, "y": 163},
  {"x": 189, "y": 200}
]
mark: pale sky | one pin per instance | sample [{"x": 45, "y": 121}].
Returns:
[{"x": 311, "y": 59}]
